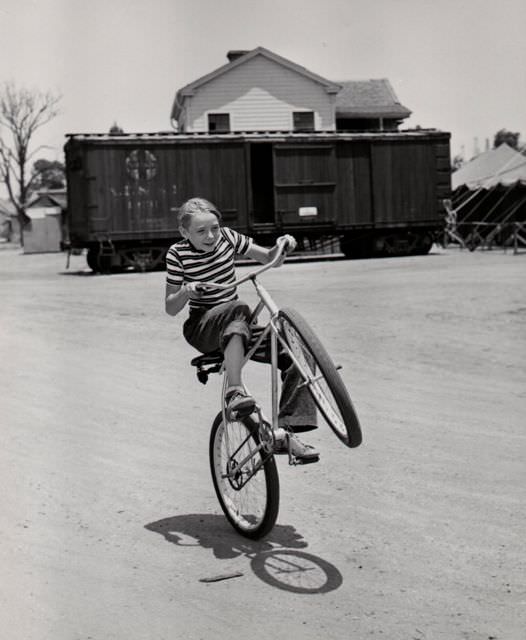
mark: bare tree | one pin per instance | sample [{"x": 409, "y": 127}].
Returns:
[{"x": 22, "y": 112}]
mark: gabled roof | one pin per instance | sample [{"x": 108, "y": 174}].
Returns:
[
  {"x": 188, "y": 90},
  {"x": 369, "y": 99},
  {"x": 51, "y": 198},
  {"x": 502, "y": 165}
]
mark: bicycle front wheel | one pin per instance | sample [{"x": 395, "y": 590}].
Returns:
[
  {"x": 323, "y": 380},
  {"x": 245, "y": 477}
]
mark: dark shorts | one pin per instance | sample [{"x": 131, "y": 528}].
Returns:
[{"x": 210, "y": 329}]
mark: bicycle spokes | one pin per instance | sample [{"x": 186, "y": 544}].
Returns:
[
  {"x": 243, "y": 464},
  {"x": 245, "y": 475}
]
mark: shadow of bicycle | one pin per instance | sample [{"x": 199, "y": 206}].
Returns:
[
  {"x": 78, "y": 272},
  {"x": 278, "y": 560}
]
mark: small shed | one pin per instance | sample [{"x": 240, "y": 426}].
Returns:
[{"x": 46, "y": 230}]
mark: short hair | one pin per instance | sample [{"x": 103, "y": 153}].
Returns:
[{"x": 195, "y": 205}]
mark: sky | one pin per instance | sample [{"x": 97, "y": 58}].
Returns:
[{"x": 458, "y": 65}]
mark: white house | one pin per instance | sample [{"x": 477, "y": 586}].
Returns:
[
  {"x": 259, "y": 90},
  {"x": 256, "y": 90}
]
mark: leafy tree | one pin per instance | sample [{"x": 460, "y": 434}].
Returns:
[
  {"x": 22, "y": 112},
  {"x": 48, "y": 174},
  {"x": 457, "y": 161},
  {"x": 509, "y": 137}
]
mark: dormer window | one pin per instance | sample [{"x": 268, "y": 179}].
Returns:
[
  {"x": 303, "y": 120},
  {"x": 218, "y": 123}
]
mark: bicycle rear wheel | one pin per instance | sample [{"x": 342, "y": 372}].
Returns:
[
  {"x": 324, "y": 383},
  {"x": 245, "y": 478}
]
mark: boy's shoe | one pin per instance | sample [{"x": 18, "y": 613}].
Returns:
[
  {"x": 301, "y": 428},
  {"x": 297, "y": 448},
  {"x": 238, "y": 403}
]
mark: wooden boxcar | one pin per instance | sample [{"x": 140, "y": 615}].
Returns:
[{"x": 380, "y": 193}]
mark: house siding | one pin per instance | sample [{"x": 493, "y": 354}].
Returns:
[{"x": 260, "y": 95}]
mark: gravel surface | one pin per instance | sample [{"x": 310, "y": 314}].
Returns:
[{"x": 109, "y": 525}]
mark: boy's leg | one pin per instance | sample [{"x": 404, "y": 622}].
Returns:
[
  {"x": 225, "y": 327},
  {"x": 297, "y": 413},
  {"x": 234, "y": 354},
  {"x": 234, "y": 339},
  {"x": 297, "y": 410},
  {"x": 238, "y": 402}
]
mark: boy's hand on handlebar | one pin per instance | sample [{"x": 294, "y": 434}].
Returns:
[
  {"x": 288, "y": 243},
  {"x": 194, "y": 290}
]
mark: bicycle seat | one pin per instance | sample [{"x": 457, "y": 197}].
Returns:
[
  {"x": 207, "y": 363},
  {"x": 215, "y": 357}
]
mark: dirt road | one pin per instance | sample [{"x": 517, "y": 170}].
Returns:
[{"x": 108, "y": 521}]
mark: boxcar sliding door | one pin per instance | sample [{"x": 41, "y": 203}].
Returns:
[{"x": 304, "y": 184}]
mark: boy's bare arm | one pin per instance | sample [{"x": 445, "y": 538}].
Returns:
[
  {"x": 175, "y": 299},
  {"x": 259, "y": 253},
  {"x": 265, "y": 255}
]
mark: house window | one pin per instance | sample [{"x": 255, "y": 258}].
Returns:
[
  {"x": 219, "y": 123},
  {"x": 303, "y": 120}
]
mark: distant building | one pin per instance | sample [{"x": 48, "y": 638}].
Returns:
[
  {"x": 258, "y": 90},
  {"x": 47, "y": 230},
  {"x": 365, "y": 105},
  {"x": 9, "y": 229}
]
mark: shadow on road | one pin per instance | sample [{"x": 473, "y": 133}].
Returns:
[
  {"x": 277, "y": 560},
  {"x": 78, "y": 272}
]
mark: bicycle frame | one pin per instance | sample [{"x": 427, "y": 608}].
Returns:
[{"x": 272, "y": 327}]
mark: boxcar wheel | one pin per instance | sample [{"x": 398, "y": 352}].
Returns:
[
  {"x": 92, "y": 258},
  {"x": 356, "y": 248}
]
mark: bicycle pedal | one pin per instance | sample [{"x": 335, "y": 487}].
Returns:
[
  {"x": 240, "y": 413},
  {"x": 303, "y": 461}
]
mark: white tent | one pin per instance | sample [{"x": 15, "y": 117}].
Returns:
[
  {"x": 489, "y": 201},
  {"x": 502, "y": 165}
]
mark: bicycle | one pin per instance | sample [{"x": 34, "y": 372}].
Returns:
[{"x": 241, "y": 450}]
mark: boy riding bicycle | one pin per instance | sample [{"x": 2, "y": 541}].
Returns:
[{"x": 218, "y": 320}]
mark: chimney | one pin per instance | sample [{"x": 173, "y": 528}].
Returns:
[{"x": 234, "y": 54}]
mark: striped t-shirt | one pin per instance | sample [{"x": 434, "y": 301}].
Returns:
[{"x": 185, "y": 264}]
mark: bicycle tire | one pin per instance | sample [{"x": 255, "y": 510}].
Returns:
[
  {"x": 252, "y": 509},
  {"x": 326, "y": 386}
]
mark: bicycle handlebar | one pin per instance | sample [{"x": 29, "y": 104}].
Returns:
[{"x": 282, "y": 243}]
